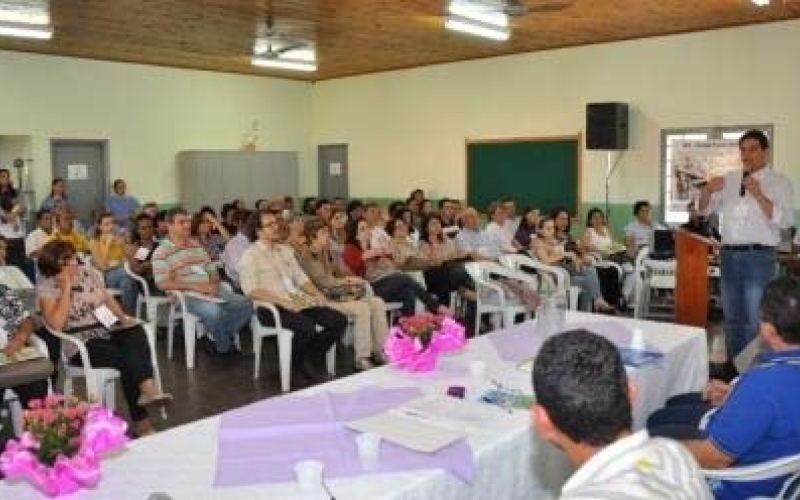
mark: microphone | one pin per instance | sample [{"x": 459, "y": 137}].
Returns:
[{"x": 742, "y": 189}]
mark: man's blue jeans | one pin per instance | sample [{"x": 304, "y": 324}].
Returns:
[
  {"x": 222, "y": 320},
  {"x": 745, "y": 274}
]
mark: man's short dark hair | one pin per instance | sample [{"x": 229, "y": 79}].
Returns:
[
  {"x": 639, "y": 205},
  {"x": 579, "y": 378},
  {"x": 354, "y": 204},
  {"x": 173, "y": 212},
  {"x": 780, "y": 306},
  {"x": 756, "y": 135},
  {"x": 41, "y": 213},
  {"x": 443, "y": 202}
]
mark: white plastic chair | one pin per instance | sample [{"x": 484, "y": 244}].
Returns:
[
  {"x": 14, "y": 405},
  {"x": 519, "y": 262},
  {"x": 767, "y": 470},
  {"x": 492, "y": 298},
  {"x": 193, "y": 327},
  {"x": 147, "y": 304},
  {"x": 100, "y": 381},
  {"x": 284, "y": 336},
  {"x": 650, "y": 275},
  {"x": 14, "y": 278}
]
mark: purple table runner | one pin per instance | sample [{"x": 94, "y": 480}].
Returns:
[{"x": 262, "y": 442}]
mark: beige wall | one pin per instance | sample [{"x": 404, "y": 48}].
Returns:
[
  {"x": 407, "y": 128},
  {"x": 147, "y": 113}
]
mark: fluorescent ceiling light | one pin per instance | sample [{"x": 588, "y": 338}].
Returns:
[
  {"x": 28, "y": 14},
  {"x": 472, "y": 27},
  {"x": 761, "y": 3},
  {"x": 284, "y": 63},
  {"x": 496, "y": 18},
  {"x": 24, "y": 30}
]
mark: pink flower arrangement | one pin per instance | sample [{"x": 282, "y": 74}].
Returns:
[
  {"x": 60, "y": 450},
  {"x": 417, "y": 341}
]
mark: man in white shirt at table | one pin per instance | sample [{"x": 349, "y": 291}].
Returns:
[{"x": 583, "y": 406}]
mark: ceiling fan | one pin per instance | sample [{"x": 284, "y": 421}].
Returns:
[
  {"x": 272, "y": 43},
  {"x": 515, "y": 8}
]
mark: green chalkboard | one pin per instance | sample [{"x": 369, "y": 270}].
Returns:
[{"x": 543, "y": 173}]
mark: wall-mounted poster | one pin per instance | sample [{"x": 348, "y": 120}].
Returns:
[{"x": 693, "y": 163}]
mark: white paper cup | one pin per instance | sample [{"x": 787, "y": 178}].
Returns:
[
  {"x": 637, "y": 340},
  {"x": 477, "y": 373},
  {"x": 309, "y": 475},
  {"x": 369, "y": 448}
]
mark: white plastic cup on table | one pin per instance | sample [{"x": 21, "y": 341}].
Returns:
[
  {"x": 477, "y": 378},
  {"x": 369, "y": 450},
  {"x": 637, "y": 340},
  {"x": 309, "y": 477}
]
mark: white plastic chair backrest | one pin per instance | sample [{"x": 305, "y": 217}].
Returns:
[
  {"x": 641, "y": 255},
  {"x": 519, "y": 262},
  {"x": 757, "y": 472},
  {"x": 14, "y": 278}
]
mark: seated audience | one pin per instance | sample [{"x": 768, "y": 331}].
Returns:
[
  {"x": 528, "y": 226},
  {"x": 338, "y": 233},
  {"x": 18, "y": 327},
  {"x": 563, "y": 222},
  {"x": 347, "y": 294},
  {"x": 269, "y": 272},
  {"x": 403, "y": 250},
  {"x": 12, "y": 228},
  {"x": 583, "y": 407},
  {"x": 162, "y": 227},
  {"x": 308, "y": 205},
  {"x": 65, "y": 230},
  {"x": 513, "y": 220},
  {"x": 151, "y": 210},
  {"x": 548, "y": 250},
  {"x": 210, "y": 234},
  {"x": 407, "y": 216},
  {"x": 757, "y": 419},
  {"x": 598, "y": 242},
  {"x": 379, "y": 238},
  {"x": 448, "y": 215},
  {"x": 426, "y": 208},
  {"x": 339, "y": 204},
  {"x": 39, "y": 236},
  {"x": 69, "y": 297},
  {"x": 322, "y": 209},
  {"x": 122, "y": 206},
  {"x": 388, "y": 282},
  {"x": 296, "y": 234},
  {"x": 139, "y": 251},
  {"x": 57, "y": 197},
  {"x": 235, "y": 246},
  {"x": 180, "y": 263},
  {"x": 471, "y": 240},
  {"x": 108, "y": 256},
  {"x": 355, "y": 210},
  {"x": 639, "y": 232},
  {"x": 445, "y": 271},
  {"x": 497, "y": 231}
]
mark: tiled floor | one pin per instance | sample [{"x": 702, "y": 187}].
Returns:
[{"x": 219, "y": 384}]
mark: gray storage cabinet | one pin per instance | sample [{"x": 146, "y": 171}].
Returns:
[{"x": 217, "y": 177}]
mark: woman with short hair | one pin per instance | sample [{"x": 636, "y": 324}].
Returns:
[
  {"x": 346, "y": 293},
  {"x": 71, "y": 298}
]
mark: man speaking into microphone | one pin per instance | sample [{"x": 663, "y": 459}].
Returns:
[{"x": 755, "y": 204}]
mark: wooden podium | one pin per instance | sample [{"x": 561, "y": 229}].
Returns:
[{"x": 691, "y": 278}]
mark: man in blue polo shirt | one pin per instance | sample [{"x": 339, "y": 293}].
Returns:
[{"x": 758, "y": 418}]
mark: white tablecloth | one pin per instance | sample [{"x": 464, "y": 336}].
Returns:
[{"x": 512, "y": 463}]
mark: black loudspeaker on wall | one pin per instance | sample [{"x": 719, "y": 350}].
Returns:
[{"x": 607, "y": 125}]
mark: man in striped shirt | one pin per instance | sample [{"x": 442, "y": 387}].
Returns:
[
  {"x": 180, "y": 263},
  {"x": 583, "y": 406}
]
